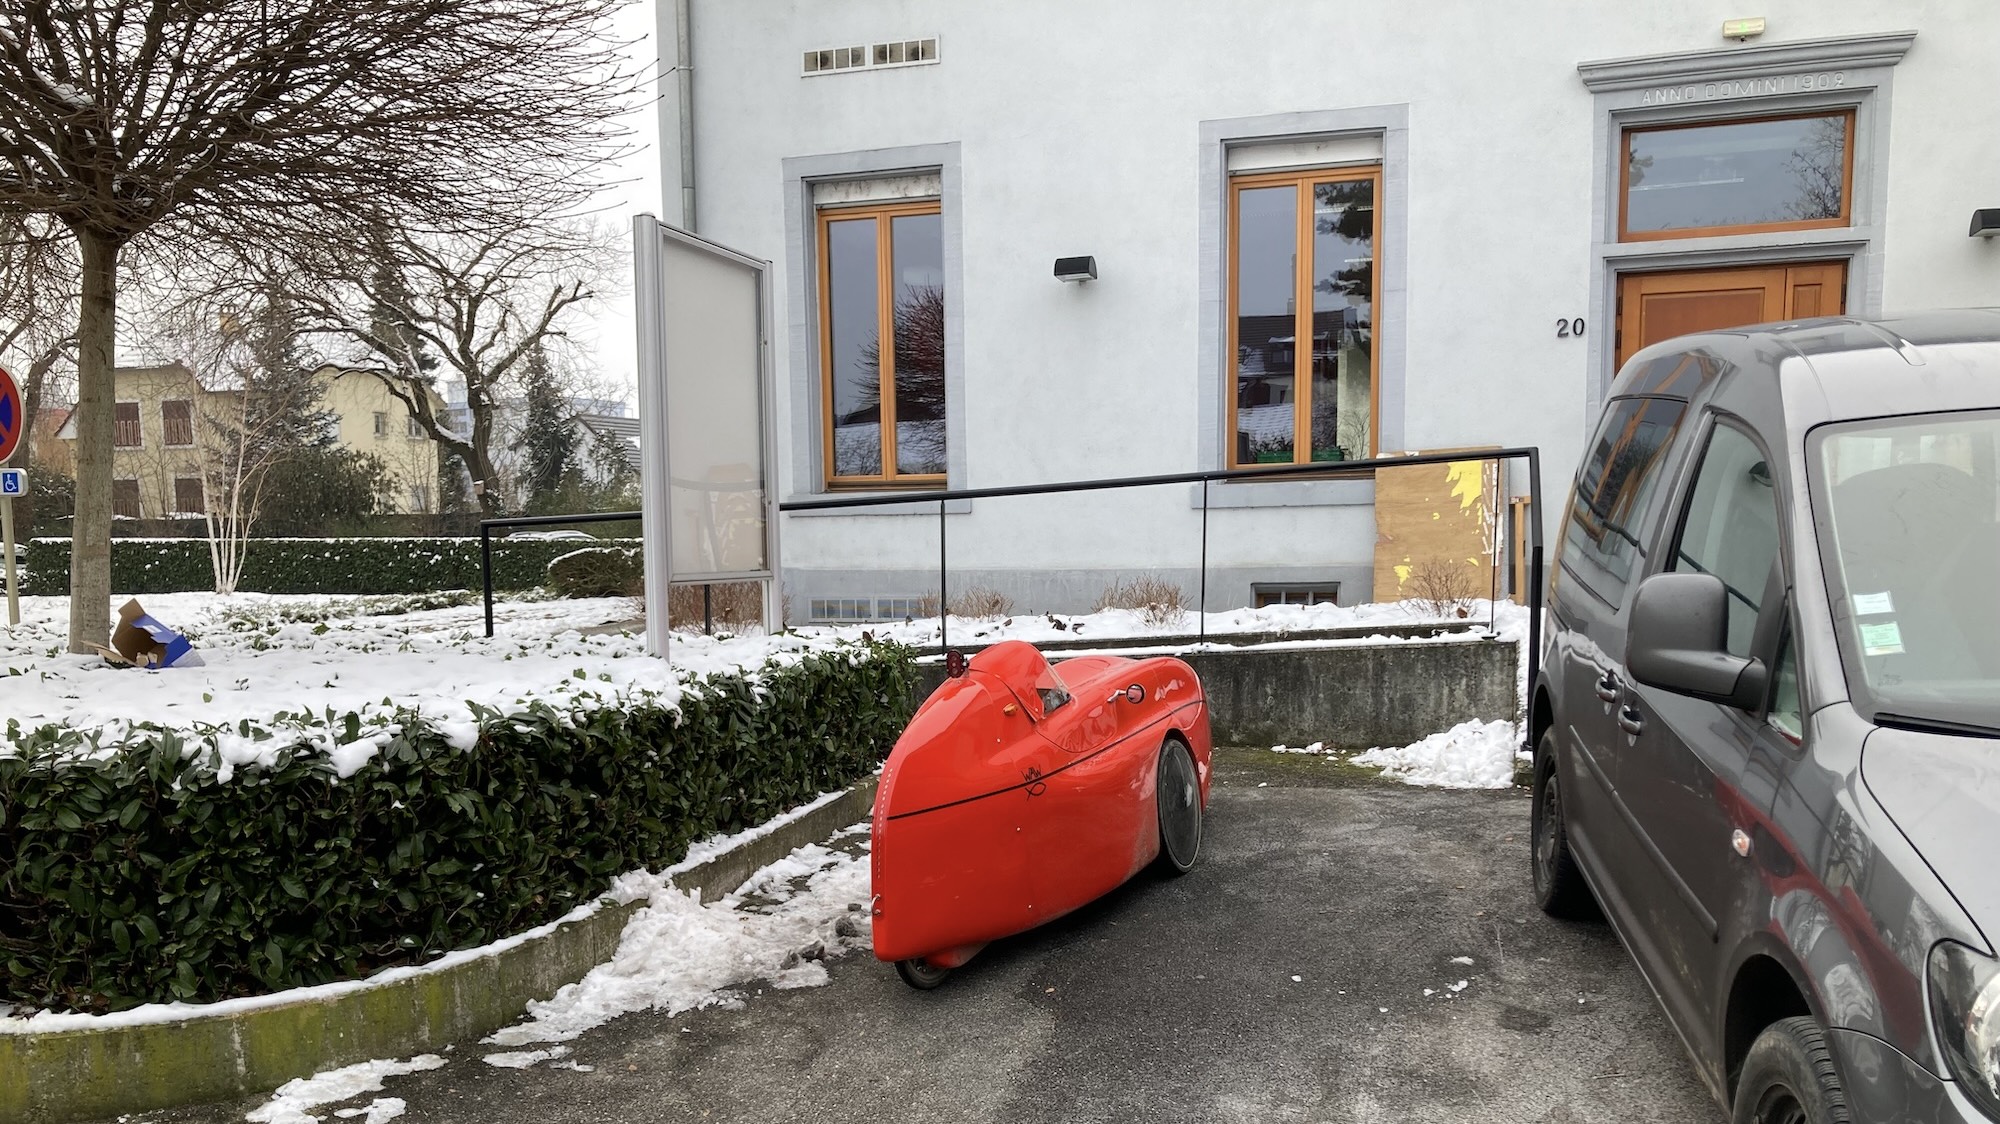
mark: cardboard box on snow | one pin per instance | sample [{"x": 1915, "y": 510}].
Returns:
[{"x": 141, "y": 640}]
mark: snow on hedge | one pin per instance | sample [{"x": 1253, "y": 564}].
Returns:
[{"x": 335, "y": 673}]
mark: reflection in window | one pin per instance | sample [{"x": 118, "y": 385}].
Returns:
[
  {"x": 1731, "y": 528},
  {"x": 1790, "y": 172},
  {"x": 885, "y": 404},
  {"x": 1601, "y": 540},
  {"x": 1303, "y": 385},
  {"x": 1785, "y": 709}
]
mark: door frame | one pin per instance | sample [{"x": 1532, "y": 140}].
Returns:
[{"x": 1806, "y": 76}]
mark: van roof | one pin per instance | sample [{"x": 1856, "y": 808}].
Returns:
[{"x": 1846, "y": 359}]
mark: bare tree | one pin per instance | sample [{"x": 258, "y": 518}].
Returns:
[
  {"x": 414, "y": 309},
  {"x": 38, "y": 294},
  {"x": 124, "y": 118}
]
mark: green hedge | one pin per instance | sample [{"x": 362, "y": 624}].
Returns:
[
  {"x": 339, "y": 566},
  {"x": 601, "y": 571},
  {"x": 139, "y": 877}
]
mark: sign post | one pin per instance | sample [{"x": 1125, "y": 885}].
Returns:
[{"x": 13, "y": 482}]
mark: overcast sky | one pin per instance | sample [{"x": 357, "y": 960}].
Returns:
[{"x": 609, "y": 332}]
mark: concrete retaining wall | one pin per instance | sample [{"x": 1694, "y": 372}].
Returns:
[
  {"x": 61, "y": 1076},
  {"x": 1353, "y": 696}
]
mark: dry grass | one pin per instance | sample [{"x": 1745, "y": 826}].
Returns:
[
  {"x": 981, "y": 603},
  {"x": 1159, "y": 602},
  {"x": 1441, "y": 587},
  {"x": 735, "y": 605}
]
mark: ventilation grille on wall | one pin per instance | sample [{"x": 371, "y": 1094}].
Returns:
[{"x": 901, "y": 52}]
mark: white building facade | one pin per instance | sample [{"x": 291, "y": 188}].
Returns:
[{"x": 1472, "y": 211}]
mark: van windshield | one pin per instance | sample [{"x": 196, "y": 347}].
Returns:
[{"x": 1908, "y": 511}]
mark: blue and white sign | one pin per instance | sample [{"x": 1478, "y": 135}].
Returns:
[{"x": 13, "y": 482}]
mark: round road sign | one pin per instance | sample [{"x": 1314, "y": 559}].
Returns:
[{"x": 12, "y": 419}]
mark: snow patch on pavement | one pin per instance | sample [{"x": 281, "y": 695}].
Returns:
[
  {"x": 1469, "y": 755},
  {"x": 522, "y": 1059},
  {"x": 378, "y": 1111},
  {"x": 679, "y": 955},
  {"x": 290, "y": 1104}
]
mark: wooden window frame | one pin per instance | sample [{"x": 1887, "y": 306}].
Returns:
[
  {"x": 884, "y": 216},
  {"x": 1845, "y": 218},
  {"x": 1302, "y": 287}
]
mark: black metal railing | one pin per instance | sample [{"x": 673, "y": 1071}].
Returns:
[
  {"x": 486, "y": 527},
  {"x": 1317, "y": 470}
]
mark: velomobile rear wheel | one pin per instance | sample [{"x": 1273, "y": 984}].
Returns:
[
  {"x": 1179, "y": 797},
  {"x": 921, "y": 974}
]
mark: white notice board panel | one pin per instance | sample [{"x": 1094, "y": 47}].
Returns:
[
  {"x": 713, "y": 342},
  {"x": 704, "y": 406}
]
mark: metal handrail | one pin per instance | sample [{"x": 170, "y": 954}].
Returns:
[
  {"x": 1315, "y": 470},
  {"x": 486, "y": 543}
]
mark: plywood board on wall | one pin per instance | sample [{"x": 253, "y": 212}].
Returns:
[{"x": 1435, "y": 530}]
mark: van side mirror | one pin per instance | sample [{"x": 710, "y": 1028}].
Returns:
[{"x": 1678, "y": 640}]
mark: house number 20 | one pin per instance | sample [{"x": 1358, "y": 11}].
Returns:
[{"x": 1567, "y": 328}]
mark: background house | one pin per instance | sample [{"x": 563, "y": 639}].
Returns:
[
  {"x": 164, "y": 457},
  {"x": 369, "y": 419},
  {"x": 1475, "y": 213}
]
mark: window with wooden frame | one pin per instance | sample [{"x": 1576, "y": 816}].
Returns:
[
  {"x": 125, "y": 430},
  {"x": 1745, "y": 176},
  {"x": 125, "y": 499},
  {"x": 882, "y": 344},
  {"x": 177, "y": 422},
  {"x": 1302, "y": 266},
  {"x": 188, "y": 495}
]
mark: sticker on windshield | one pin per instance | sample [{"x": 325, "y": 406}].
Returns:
[
  {"x": 1868, "y": 604},
  {"x": 1881, "y": 639}
]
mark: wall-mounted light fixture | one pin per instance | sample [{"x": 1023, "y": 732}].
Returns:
[
  {"x": 1985, "y": 222},
  {"x": 1741, "y": 30},
  {"x": 1076, "y": 269}
]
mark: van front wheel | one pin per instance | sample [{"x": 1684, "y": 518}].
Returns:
[{"x": 1559, "y": 887}]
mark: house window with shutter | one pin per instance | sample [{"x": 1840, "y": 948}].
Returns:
[
  {"x": 177, "y": 422},
  {"x": 188, "y": 498},
  {"x": 125, "y": 426},
  {"x": 125, "y": 499}
]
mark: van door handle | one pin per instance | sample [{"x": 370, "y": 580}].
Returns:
[
  {"x": 1607, "y": 687},
  {"x": 1630, "y": 722}
]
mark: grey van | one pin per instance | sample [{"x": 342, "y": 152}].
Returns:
[{"x": 1767, "y": 728}]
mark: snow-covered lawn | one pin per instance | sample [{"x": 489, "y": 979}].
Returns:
[{"x": 299, "y": 665}]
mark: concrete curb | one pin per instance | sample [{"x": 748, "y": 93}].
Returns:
[{"x": 72, "y": 1075}]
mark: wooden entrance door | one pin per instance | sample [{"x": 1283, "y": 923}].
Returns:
[{"x": 1657, "y": 306}]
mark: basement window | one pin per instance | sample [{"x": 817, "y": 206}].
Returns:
[{"x": 1314, "y": 593}]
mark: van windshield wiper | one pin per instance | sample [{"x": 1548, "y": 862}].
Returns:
[{"x": 1935, "y": 725}]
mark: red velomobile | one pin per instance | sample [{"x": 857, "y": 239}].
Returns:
[{"x": 1018, "y": 794}]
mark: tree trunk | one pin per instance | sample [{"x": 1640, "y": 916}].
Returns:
[
  {"x": 96, "y": 385},
  {"x": 32, "y": 392}
]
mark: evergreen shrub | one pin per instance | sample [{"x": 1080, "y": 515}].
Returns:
[
  {"x": 135, "y": 874},
  {"x": 329, "y": 566}
]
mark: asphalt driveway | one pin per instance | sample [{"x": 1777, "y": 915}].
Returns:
[{"x": 1312, "y": 968}]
